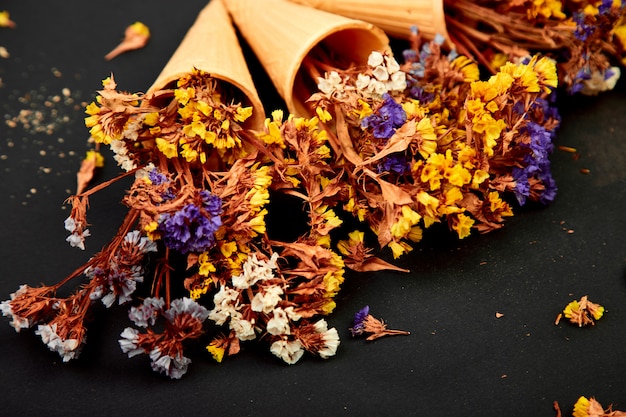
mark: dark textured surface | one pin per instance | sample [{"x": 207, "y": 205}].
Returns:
[{"x": 459, "y": 359}]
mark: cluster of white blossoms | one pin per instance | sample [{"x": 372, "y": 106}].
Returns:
[
  {"x": 17, "y": 322},
  {"x": 66, "y": 348},
  {"x": 77, "y": 237},
  {"x": 183, "y": 320},
  {"x": 119, "y": 148},
  {"x": 229, "y": 302},
  {"x": 332, "y": 83},
  {"x": 256, "y": 303},
  {"x": 121, "y": 155},
  {"x": 386, "y": 75}
]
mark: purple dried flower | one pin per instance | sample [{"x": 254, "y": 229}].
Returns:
[
  {"x": 537, "y": 165},
  {"x": 360, "y": 316},
  {"x": 583, "y": 30},
  {"x": 211, "y": 202},
  {"x": 541, "y": 141},
  {"x": 519, "y": 108},
  {"x": 549, "y": 193},
  {"x": 578, "y": 82},
  {"x": 386, "y": 120},
  {"x": 409, "y": 55},
  {"x": 394, "y": 163},
  {"x": 418, "y": 93},
  {"x": 156, "y": 177},
  {"x": 605, "y": 7},
  {"x": 192, "y": 228},
  {"x": 549, "y": 110},
  {"x": 522, "y": 186}
]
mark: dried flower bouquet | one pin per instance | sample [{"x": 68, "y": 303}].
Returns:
[
  {"x": 586, "y": 38},
  {"x": 396, "y": 147}
]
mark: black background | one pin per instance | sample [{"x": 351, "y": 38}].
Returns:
[{"x": 459, "y": 359}]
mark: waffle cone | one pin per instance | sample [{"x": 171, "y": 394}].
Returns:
[
  {"x": 211, "y": 45},
  {"x": 393, "y": 16},
  {"x": 282, "y": 34}
]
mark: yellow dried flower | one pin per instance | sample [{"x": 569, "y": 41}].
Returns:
[
  {"x": 216, "y": 351},
  {"x": 583, "y": 312}
]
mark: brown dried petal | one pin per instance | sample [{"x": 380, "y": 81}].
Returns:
[{"x": 373, "y": 264}]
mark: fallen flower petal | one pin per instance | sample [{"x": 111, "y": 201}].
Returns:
[
  {"x": 136, "y": 36},
  {"x": 5, "y": 21}
]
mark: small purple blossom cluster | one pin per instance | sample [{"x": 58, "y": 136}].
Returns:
[
  {"x": 386, "y": 119},
  {"x": 536, "y": 165},
  {"x": 396, "y": 163},
  {"x": 358, "y": 326},
  {"x": 157, "y": 178},
  {"x": 78, "y": 233},
  {"x": 192, "y": 228},
  {"x": 585, "y": 29},
  {"x": 416, "y": 71}
]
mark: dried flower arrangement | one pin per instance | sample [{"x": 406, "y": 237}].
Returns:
[
  {"x": 395, "y": 147},
  {"x": 586, "y": 38}
]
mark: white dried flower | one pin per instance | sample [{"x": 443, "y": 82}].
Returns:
[
  {"x": 330, "y": 337},
  {"x": 17, "y": 322},
  {"x": 279, "y": 323},
  {"x": 392, "y": 64},
  {"x": 380, "y": 73},
  {"x": 330, "y": 83},
  {"x": 397, "y": 81},
  {"x": 599, "y": 82},
  {"x": 265, "y": 301},
  {"x": 174, "y": 367},
  {"x": 244, "y": 329},
  {"x": 254, "y": 270},
  {"x": 129, "y": 342},
  {"x": 362, "y": 81},
  {"x": 77, "y": 239},
  {"x": 188, "y": 306},
  {"x": 225, "y": 305},
  {"x": 143, "y": 243},
  {"x": 375, "y": 59},
  {"x": 67, "y": 348},
  {"x": 289, "y": 351}
]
